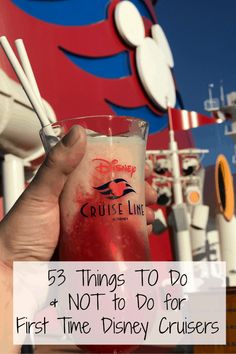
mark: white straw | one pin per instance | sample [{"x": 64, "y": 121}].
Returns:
[
  {"x": 28, "y": 69},
  {"x": 26, "y": 85}
]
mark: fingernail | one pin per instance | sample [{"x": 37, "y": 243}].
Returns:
[{"x": 71, "y": 137}]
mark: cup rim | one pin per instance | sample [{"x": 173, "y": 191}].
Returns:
[{"x": 110, "y": 116}]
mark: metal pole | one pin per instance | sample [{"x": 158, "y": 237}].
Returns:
[
  {"x": 210, "y": 86},
  {"x": 222, "y": 94}
]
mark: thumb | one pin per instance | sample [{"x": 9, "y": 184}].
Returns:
[{"x": 62, "y": 159}]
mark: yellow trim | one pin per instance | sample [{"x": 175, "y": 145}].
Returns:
[{"x": 228, "y": 188}]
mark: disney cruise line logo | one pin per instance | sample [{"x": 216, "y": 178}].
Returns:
[{"x": 115, "y": 189}]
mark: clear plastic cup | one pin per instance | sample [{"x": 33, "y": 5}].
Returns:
[{"x": 103, "y": 203}]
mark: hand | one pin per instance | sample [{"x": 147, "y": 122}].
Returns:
[{"x": 30, "y": 231}]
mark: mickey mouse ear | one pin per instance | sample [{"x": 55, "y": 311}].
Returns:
[
  {"x": 129, "y": 23},
  {"x": 155, "y": 74},
  {"x": 160, "y": 38}
]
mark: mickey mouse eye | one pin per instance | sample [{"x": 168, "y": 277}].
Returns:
[
  {"x": 160, "y": 38},
  {"x": 129, "y": 23}
]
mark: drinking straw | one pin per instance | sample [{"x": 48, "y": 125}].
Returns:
[
  {"x": 26, "y": 86},
  {"x": 28, "y": 69}
]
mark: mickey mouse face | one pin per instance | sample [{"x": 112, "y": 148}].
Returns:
[{"x": 153, "y": 55}]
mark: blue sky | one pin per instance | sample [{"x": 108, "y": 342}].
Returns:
[{"x": 201, "y": 34}]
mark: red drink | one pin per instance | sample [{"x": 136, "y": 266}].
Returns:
[{"x": 103, "y": 206}]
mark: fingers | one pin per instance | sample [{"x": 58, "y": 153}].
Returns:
[
  {"x": 151, "y": 198},
  {"x": 148, "y": 170},
  {"x": 149, "y": 215},
  {"x": 59, "y": 163},
  {"x": 150, "y": 194},
  {"x": 149, "y": 229}
]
